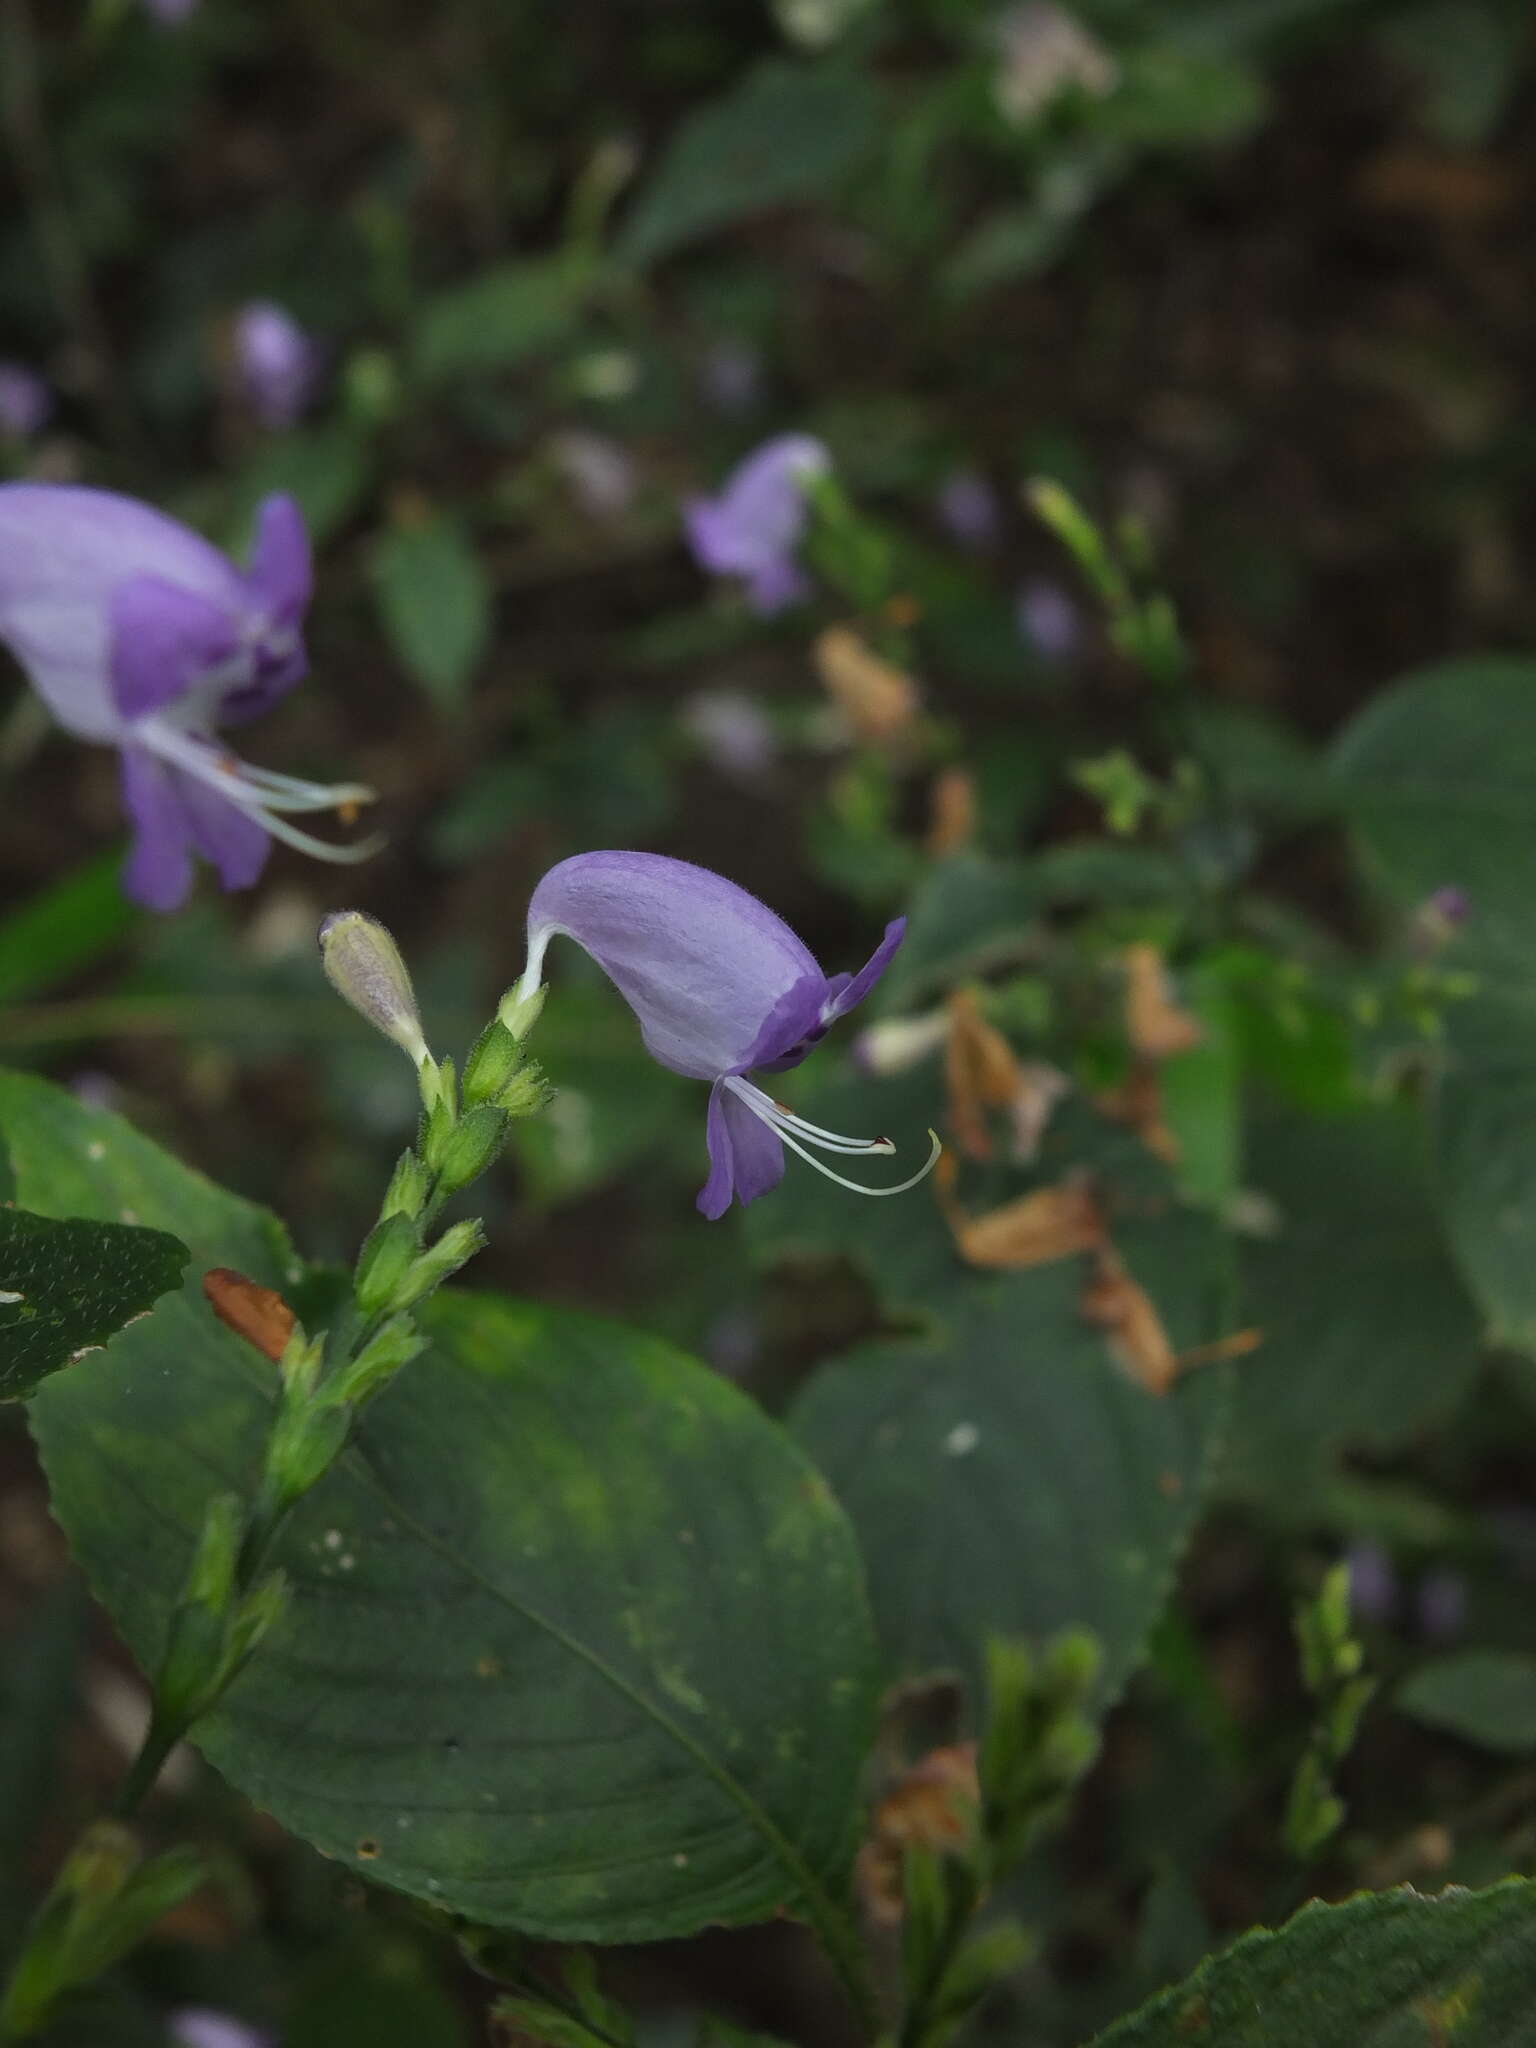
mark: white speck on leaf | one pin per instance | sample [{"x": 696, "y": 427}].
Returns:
[
  {"x": 962, "y": 1439},
  {"x": 95, "y": 1149}
]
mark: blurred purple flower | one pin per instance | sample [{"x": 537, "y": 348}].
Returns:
[
  {"x": 25, "y": 402},
  {"x": 1452, "y": 904},
  {"x": 199, "y": 2026},
  {"x": 720, "y": 986},
  {"x": 140, "y": 635},
  {"x": 752, "y": 528},
  {"x": 169, "y": 13},
  {"x": 1441, "y": 1602},
  {"x": 599, "y": 471},
  {"x": 733, "y": 732},
  {"x": 277, "y": 363},
  {"x": 968, "y": 510},
  {"x": 1373, "y": 1587},
  {"x": 1048, "y": 620},
  {"x": 732, "y": 377}
]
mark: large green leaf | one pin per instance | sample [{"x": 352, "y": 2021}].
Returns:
[
  {"x": 577, "y": 1640},
  {"x": 1007, "y": 1477},
  {"x": 65, "y": 1288},
  {"x": 787, "y": 132},
  {"x": 1484, "y": 1696},
  {"x": 1368, "y": 1333},
  {"x": 1485, "y": 1136},
  {"x": 1384, "y": 1970},
  {"x": 501, "y": 317},
  {"x": 63, "y": 928},
  {"x": 1439, "y": 776}
]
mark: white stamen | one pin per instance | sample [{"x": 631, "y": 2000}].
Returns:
[
  {"x": 260, "y": 793},
  {"x": 785, "y": 1126}
]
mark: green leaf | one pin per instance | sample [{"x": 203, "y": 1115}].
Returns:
[
  {"x": 379, "y": 1990},
  {"x": 1485, "y": 1139},
  {"x": 37, "y": 1686},
  {"x": 501, "y": 318},
  {"x": 786, "y": 132},
  {"x": 1439, "y": 777},
  {"x": 1484, "y": 1696},
  {"x": 65, "y": 1288},
  {"x": 1007, "y": 1478},
  {"x": 577, "y": 1640},
  {"x": 63, "y": 928},
  {"x": 1368, "y": 1334},
  {"x": 435, "y": 602},
  {"x": 1394, "y": 1968}
]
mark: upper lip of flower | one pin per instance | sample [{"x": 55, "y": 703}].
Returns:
[{"x": 721, "y": 987}]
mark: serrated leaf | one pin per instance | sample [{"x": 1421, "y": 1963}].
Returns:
[
  {"x": 576, "y": 1640},
  {"x": 66, "y": 1287},
  {"x": 786, "y": 132},
  {"x": 1395, "y": 1968},
  {"x": 435, "y": 602},
  {"x": 1484, "y": 1696}
]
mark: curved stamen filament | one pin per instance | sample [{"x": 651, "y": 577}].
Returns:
[
  {"x": 791, "y": 1129},
  {"x": 263, "y": 795}
]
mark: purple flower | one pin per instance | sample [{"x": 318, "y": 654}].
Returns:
[
  {"x": 1441, "y": 1600},
  {"x": 968, "y": 509},
  {"x": 753, "y": 527},
  {"x": 169, "y": 13},
  {"x": 732, "y": 376},
  {"x": 140, "y": 635},
  {"x": 721, "y": 986},
  {"x": 25, "y": 402},
  {"x": 1373, "y": 1587},
  {"x": 277, "y": 364},
  {"x": 1048, "y": 620},
  {"x": 199, "y": 2026}
]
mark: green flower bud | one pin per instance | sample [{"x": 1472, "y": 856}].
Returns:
[
  {"x": 388, "y": 1252},
  {"x": 492, "y": 1063},
  {"x": 455, "y": 1248},
  {"x": 363, "y": 965},
  {"x": 406, "y": 1194},
  {"x": 474, "y": 1143}
]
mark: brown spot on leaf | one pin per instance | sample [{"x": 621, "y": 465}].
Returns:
[{"x": 367, "y": 1849}]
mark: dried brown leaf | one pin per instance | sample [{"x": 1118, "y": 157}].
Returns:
[
  {"x": 256, "y": 1313},
  {"x": 878, "y": 699},
  {"x": 1154, "y": 1023}
]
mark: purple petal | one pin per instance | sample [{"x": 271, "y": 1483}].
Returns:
[
  {"x": 753, "y": 526},
  {"x": 278, "y": 364},
  {"x": 158, "y": 873},
  {"x": 746, "y": 1159},
  {"x": 223, "y": 833},
  {"x": 968, "y": 508},
  {"x": 64, "y": 550},
  {"x": 25, "y": 402},
  {"x": 775, "y": 586},
  {"x": 164, "y": 642},
  {"x": 198, "y": 2026},
  {"x": 700, "y": 962},
  {"x": 848, "y": 991},
  {"x": 282, "y": 572}
]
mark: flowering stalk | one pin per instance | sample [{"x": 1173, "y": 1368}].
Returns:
[{"x": 232, "y": 1594}]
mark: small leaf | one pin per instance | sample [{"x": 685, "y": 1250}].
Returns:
[
  {"x": 500, "y": 318},
  {"x": 435, "y": 601},
  {"x": 65, "y": 1288},
  {"x": 63, "y": 928},
  {"x": 787, "y": 132},
  {"x": 1484, "y": 1696},
  {"x": 1384, "y": 1967}
]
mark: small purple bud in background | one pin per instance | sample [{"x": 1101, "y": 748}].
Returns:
[
  {"x": 733, "y": 733},
  {"x": 95, "y": 1089},
  {"x": 1048, "y": 620},
  {"x": 1451, "y": 903},
  {"x": 25, "y": 402},
  {"x": 1441, "y": 1602},
  {"x": 754, "y": 524},
  {"x": 199, "y": 2026},
  {"x": 599, "y": 470},
  {"x": 731, "y": 377},
  {"x": 276, "y": 363},
  {"x": 1373, "y": 1587},
  {"x": 171, "y": 13},
  {"x": 1438, "y": 918},
  {"x": 968, "y": 510}
]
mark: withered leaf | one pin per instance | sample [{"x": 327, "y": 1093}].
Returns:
[
  {"x": 1129, "y": 1319},
  {"x": 1155, "y": 1025},
  {"x": 951, "y": 812},
  {"x": 1034, "y": 1230},
  {"x": 878, "y": 699},
  {"x": 258, "y": 1314},
  {"x": 931, "y": 1806}
]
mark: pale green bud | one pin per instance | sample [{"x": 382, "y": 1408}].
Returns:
[
  {"x": 455, "y": 1248},
  {"x": 363, "y": 965},
  {"x": 386, "y": 1257},
  {"x": 474, "y": 1144},
  {"x": 519, "y": 1009}
]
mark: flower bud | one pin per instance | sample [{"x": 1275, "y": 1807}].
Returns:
[
  {"x": 386, "y": 1257},
  {"x": 409, "y": 1186},
  {"x": 474, "y": 1144},
  {"x": 363, "y": 965},
  {"x": 455, "y": 1248},
  {"x": 491, "y": 1064}
]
